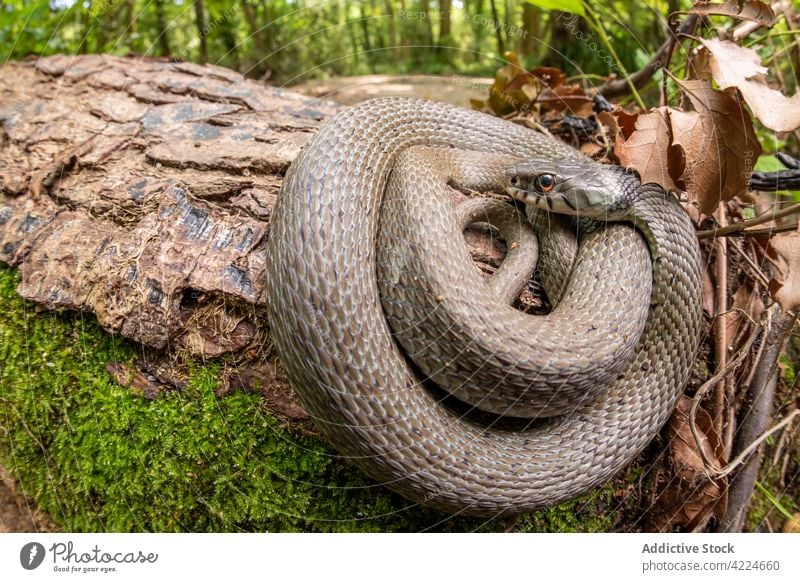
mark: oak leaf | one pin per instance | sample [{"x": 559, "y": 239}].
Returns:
[
  {"x": 747, "y": 306},
  {"x": 648, "y": 150},
  {"x": 752, "y": 10},
  {"x": 739, "y": 67},
  {"x": 785, "y": 287},
  {"x": 718, "y": 143}
]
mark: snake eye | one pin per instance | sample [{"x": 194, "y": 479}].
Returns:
[{"x": 545, "y": 182}]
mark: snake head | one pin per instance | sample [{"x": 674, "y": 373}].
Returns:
[{"x": 577, "y": 187}]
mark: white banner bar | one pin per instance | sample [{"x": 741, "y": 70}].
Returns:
[{"x": 372, "y": 557}]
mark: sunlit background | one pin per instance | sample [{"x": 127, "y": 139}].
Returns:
[{"x": 288, "y": 41}]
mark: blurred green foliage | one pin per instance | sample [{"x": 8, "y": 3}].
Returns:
[{"x": 292, "y": 40}]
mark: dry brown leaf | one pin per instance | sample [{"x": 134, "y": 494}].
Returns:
[
  {"x": 626, "y": 122},
  {"x": 648, "y": 150},
  {"x": 752, "y": 10},
  {"x": 735, "y": 66},
  {"x": 684, "y": 449},
  {"x": 699, "y": 66},
  {"x": 718, "y": 143},
  {"x": 503, "y": 101},
  {"x": 590, "y": 149},
  {"x": 571, "y": 97},
  {"x": 785, "y": 287},
  {"x": 609, "y": 129},
  {"x": 747, "y": 304},
  {"x": 549, "y": 76},
  {"x": 610, "y": 124},
  {"x": 693, "y": 497},
  {"x": 792, "y": 525},
  {"x": 515, "y": 91}
]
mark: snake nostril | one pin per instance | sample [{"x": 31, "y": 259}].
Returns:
[{"x": 514, "y": 180}]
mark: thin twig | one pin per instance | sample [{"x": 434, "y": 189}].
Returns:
[
  {"x": 711, "y": 466},
  {"x": 618, "y": 87},
  {"x": 740, "y": 458},
  {"x": 760, "y": 231},
  {"x": 720, "y": 327},
  {"x": 744, "y": 224},
  {"x": 755, "y": 270},
  {"x": 701, "y": 392}
]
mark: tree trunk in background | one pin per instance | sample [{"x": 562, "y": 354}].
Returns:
[
  {"x": 404, "y": 51},
  {"x": 530, "y": 44},
  {"x": 258, "y": 65},
  {"x": 501, "y": 49},
  {"x": 84, "y": 17},
  {"x": 200, "y": 21},
  {"x": 227, "y": 31},
  {"x": 161, "y": 26},
  {"x": 130, "y": 22},
  {"x": 562, "y": 42},
  {"x": 376, "y": 23},
  {"x": 365, "y": 32},
  {"x": 392, "y": 28},
  {"x": 509, "y": 20},
  {"x": 105, "y": 23},
  {"x": 478, "y": 30},
  {"x": 425, "y": 8},
  {"x": 445, "y": 7},
  {"x": 257, "y": 33}
]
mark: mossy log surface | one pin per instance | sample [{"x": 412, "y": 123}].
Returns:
[{"x": 135, "y": 197}]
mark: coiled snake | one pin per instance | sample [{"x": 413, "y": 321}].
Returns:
[{"x": 330, "y": 329}]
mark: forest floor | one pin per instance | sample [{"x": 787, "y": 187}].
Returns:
[
  {"x": 17, "y": 514},
  {"x": 452, "y": 89}
]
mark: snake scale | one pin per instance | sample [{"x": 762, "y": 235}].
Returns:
[{"x": 329, "y": 324}]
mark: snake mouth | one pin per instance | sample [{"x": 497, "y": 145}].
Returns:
[{"x": 553, "y": 202}]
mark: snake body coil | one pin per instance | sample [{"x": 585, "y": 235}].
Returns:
[{"x": 330, "y": 331}]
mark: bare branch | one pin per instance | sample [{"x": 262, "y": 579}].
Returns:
[
  {"x": 617, "y": 87},
  {"x": 738, "y": 227}
]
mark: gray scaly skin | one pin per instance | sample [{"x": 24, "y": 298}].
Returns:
[
  {"x": 457, "y": 330},
  {"x": 331, "y": 334}
]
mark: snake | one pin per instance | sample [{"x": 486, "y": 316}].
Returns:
[{"x": 377, "y": 406}]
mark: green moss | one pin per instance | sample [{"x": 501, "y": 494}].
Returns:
[
  {"x": 99, "y": 458},
  {"x": 790, "y": 370},
  {"x": 771, "y": 502}
]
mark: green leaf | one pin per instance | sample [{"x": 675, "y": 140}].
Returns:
[
  {"x": 768, "y": 164},
  {"x": 573, "y": 6}
]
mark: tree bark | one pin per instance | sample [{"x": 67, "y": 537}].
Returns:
[{"x": 147, "y": 200}]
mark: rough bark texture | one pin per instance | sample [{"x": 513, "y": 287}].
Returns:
[{"x": 141, "y": 190}]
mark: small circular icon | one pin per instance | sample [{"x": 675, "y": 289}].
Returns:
[{"x": 31, "y": 555}]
